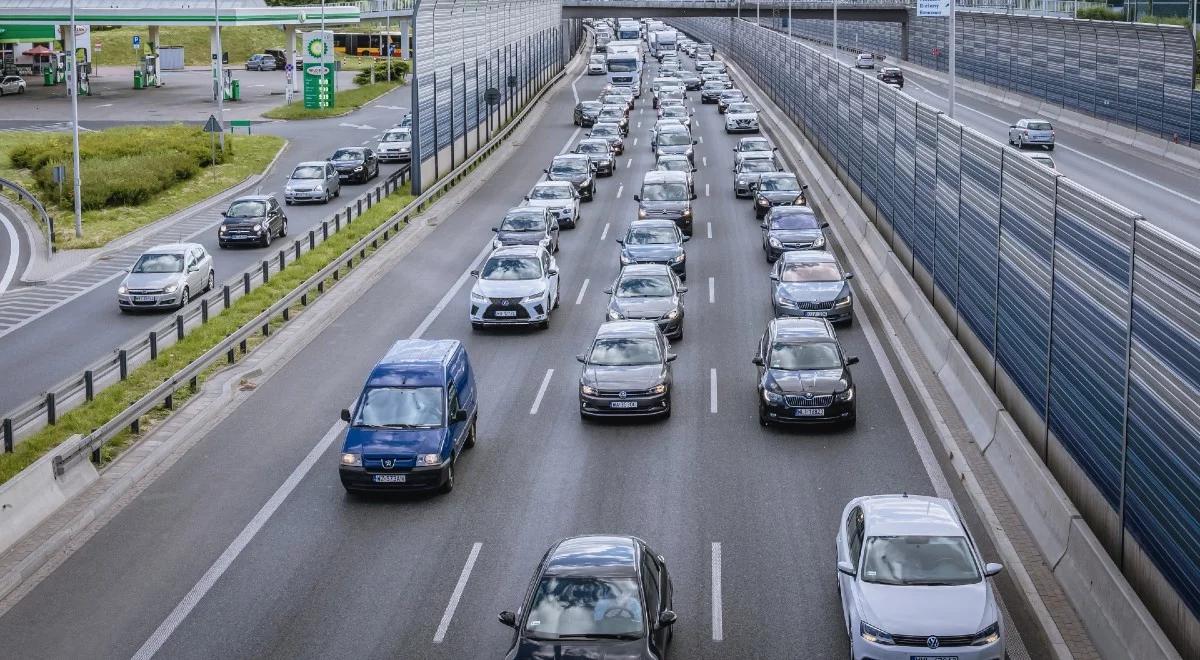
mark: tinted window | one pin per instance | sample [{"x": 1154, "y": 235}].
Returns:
[
  {"x": 675, "y": 112},
  {"x": 347, "y": 154},
  {"x": 309, "y": 172},
  {"x": 736, "y": 108},
  {"x": 652, "y": 236},
  {"x": 401, "y": 407},
  {"x": 665, "y": 192},
  {"x": 794, "y": 221},
  {"x": 673, "y": 139},
  {"x": 624, "y": 351},
  {"x": 1039, "y": 126},
  {"x": 757, "y": 165},
  {"x": 551, "y": 192},
  {"x": 512, "y": 268},
  {"x": 569, "y": 166},
  {"x": 675, "y": 165},
  {"x": 754, "y": 145},
  {"x": 644, "y": 286},
  {"x": 820, "y": 272},
  {"x": 397, "y": 136},
  {"x": 606, "y": 131},
  {"x": 806, "y": 355},
  {"x": 246, "y": 209},
  {"x": 524, "y": 222},
  {"x": 919, "y": 560},
  {"x": 585, "y": 606},
  {"x": 592, "y": 148},
  {"x": 779, "y": 183}
]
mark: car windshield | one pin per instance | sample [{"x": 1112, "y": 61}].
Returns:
[
  {"x": 674, "y": 112},
  {"x": 664, "y": 192},
  {"x": 919, "y": 560},
  {"x": 754, "y": 145},
  {"x": 591, "y": 106},
  {"x": 805, "y": 356},
  {"x": 569, "y": 166},
  {"x": 605, "y": 131},
  {"x": 779, "y": 183},
  {"x": 622, "y": 66},
  {"x": 741, "y": 108},
  {"x": 676, "y": 139},
  {"x": 159, "y": 263},
  {"x": 1039, "y": 126},
  {"x": 248, "y": 209},
  {"x": 347, "y": 154},
  {"x": 592, "y": 148},
  {"x": 614, "y": 98},
  {"x": 308, "y": 172},
  {"x": 675, "y": 165},
  {"x": 818, "y": 272},
  {"x": 596, "y": 58},
  {"x": 714, "y": 84},
  {"x": 401, "y": 407},
  {"x": 397, "y": 136},
  {"x": 756, "y": 165},
  {"x": 732, "y": 96},
  {"x": 644, "y": 286},
  {"x": 585, "y": 607},
  {"x": 550, "y": 192},
  {"x": 651, "y": 236},
  {"x": 793, "y": 220},
  {"x": 524, "y": 222},
  {"x": 612, "y": 112},
  {"x": 512, "y": 268},
  {"x": 624, "y": 351}
]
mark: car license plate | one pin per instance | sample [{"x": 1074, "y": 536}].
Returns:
[
  {"x": 623, "y": 404},
  {"x": 933, "y": 657},
  {"x": 810, "y": 412},
  {"x": 391, "y": 478},
  {"x": 143, "y": 299},
  {"x": 508, "y": 314},
  {"x": 816, "y": 313}
]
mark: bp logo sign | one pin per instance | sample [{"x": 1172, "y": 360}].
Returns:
[
  {"x": 316, "y": 47},
  {"x": 319, "y": 87}
]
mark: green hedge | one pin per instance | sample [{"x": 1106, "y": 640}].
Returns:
[
  {"x": 400, "y": 71},
  {"x": 1100, "y": 14},
  {"x": 121, "y": 166}
]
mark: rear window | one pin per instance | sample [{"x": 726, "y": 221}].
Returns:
[{"x": 1039, "y": 126}]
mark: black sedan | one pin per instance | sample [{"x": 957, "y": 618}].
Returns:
[
  {"x": 648, "y": 292},
  {"x": 787, "y": 228},
  {"x": 600, "y": 152},
  {"x": 890, "y": 74},
  {"x": 576, "y": 168},
  {"x": 655, "y": 242},
  {"x": 626, "y": 372},
  {"x": 595, "y": 596},
  {"x": 586, "y": 112},
  {"x": 778, "y": 189},
  {"x": 811, "y": 283},
  {"x": 355, "y": 164},
  {"x": 803, "y": 374}
]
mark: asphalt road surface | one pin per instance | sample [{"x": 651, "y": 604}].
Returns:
[
  {"x": 58, "y": 338},
  {"x": 744, "y": 516}
]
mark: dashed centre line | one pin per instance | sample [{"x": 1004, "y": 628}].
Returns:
[
  {"x": 582, "y": 290},
  {"x": 456, "y": 596},
  {"x": 537, "y": 402}
]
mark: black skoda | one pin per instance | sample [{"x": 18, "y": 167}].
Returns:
[
  {"x": 595, "y": 596},
  {"x": 803, "y": 375}
]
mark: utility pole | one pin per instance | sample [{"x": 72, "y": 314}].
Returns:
[
  {"x": 953, "y": 40},
  {"x": 835, "y": 47},
  {"x": 388, "y": 40},
  {"x": 73, "y": 91},
  {"x": 789, "y": 19},
  {"x": 219, "y": 71},
  {"x": 323, "y": 53}
]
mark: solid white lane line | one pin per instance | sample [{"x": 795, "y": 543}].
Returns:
[
  {"x": 582, "y": 290},
  {"x": 222, "y": 564},
  {"x": 629, "y": 163},
  {"x": 14, "y": 253},
  {"x": 706, "y": 190},
  {"x": 575, "y": 92},
  {"x": 621, "y": 188},
  {"x": 704, "y": 160},
  {"x": 639, "y": 124},
  {"x": 710, "y": 230},
  {"x": 537, "y": 401},
  {"x": 566, "y": 147},
  {"x": 718, "y": 617},
  {"x": 712, "y": 391},
  {"x": 604, "y": 232},
  {"x": 712, "y": 290},
  {"x": 697, "y": 121},
  {"x": 701, "y": 139},
  {"x": 462, "y": 279},
  {"x": 635, "y": 142},
  {"x": 457, "y": 594}
]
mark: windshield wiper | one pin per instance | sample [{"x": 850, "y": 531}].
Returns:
[
  {"x": 931, "y": 584},
  {"x": 600, "y": 636}
]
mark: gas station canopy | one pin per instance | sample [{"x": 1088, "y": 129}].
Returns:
[{"x": 168, "y": 12}]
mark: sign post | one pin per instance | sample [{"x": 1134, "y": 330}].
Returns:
[
  {"x": 137, "y": 42},
  {"x": 318, "y": 75},
  {"x": 213, "y": 128},
  {"x": 943, "y": 8}
]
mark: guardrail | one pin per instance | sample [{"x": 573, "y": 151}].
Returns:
[
  {"x": 82, "y": 387},
  {"x": 37, "y": 206},
  {"x": 228, "y": 348}
]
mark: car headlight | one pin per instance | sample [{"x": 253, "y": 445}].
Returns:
[
  {"x": 319, "y": 187},
  {"x": 679, "y": 258},
  {"x": 358, "y": 169},
  {"x": 170, "y": 288},
  {"x": 672, "y": 315},
  {"x": 762, "y": 201},
  {"x": 222, "y": 229},
  {"x": 496, "y": 243},
  {"x": 258, "y": 226},
  {"x": 874, "y": 635},
  {"x": 545, "y": 240},
  {"x": 587, "y": 389},
  {"x": 122, "y": 289},
  {"x": 429, "y": 459},
  {"x": 785, "y": 302},
  {"x": 819, "y": 242},
  {"x": 658, "y": 389},
  {"x": 614, "y": 315},
  {"x": 771, "y": 396},
  {"x": 475, "y": 297},
  {"x": 842, "y": 302},
  {"x": 606, "y": 161},
  {"x": 774, "y": 242},
  {"x": 641, "y": 213},
  {"x": 687, "y": 213},
  {"x": 352, "y": 460},
  {"x": 536, "y": 297},
  {"x": 989, "y": 635},
  {"x": 741, "y": 182},
  {"x": 845, "y": 395},
  {"x": 626, "y": 259}
]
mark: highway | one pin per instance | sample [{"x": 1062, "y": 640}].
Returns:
[
  {"x": 1167, "y": 193},
  {"x": 49, "y": 321},
  {"x": 245, "y": 548}
]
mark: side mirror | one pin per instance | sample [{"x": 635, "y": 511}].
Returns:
[
  {"x": 671, "y": 357},
  {"x": 496, "y": 229},
  {"x": 849, "y": 276},
  {"x": 693, "y": 195},
  {"x": 666, "y": 618},
  {"x": 846, "y": 568},
  {"x": 686, "y": 238},
  {"x": 508, "y": 618},
  {"x": 620, "y": 240},
  {"x": 774, "y": 276},
  {"x": 824, "y": 225},
  {"x": 474, "y": 273},
  {"x": 734, "y": 150},
  {"x": 682, "y": 289},
  {"x": 853, "y": 359},
  {"x": 774, "y": 148},
  {"x": 608, "y": 290},
  {"x": 527, "y": 198},
  {"x": 695, "y": 169},
  {"x": 992, "y": 569},
  {"x": 460, "y": 415},
  {"x": 345, "y": 415},
  {"x": 763, "y": 224},
  {"x": 545, "y": 170},
  {"x": 552, "y": 271},
  {"x": 757, "y": 360},
  {"x": 637, "y": 198},
  {"x": 581, "y": 358},
  {"x": 695, "y": 141},
  {"x": 224, "y": 214}
]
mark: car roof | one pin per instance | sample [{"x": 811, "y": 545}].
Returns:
[
  {"x": 413, "y": 363},
  {"x": 919, "y": 515},
  {"x": 645, "y": 269},
  {"x": 517, "y": 251},
  {"x": 554, "y": 184},
  {"x": 627, "y": 329},
  {"x": 527, "y": 210},
  {"x": 594, "y": 554},
  {"x": 571, "y": 156},
  {"x": 802, "y": 329},
  {"x": 653, "y": 222},
  {"x": 173, "y": 247},
  {"x": 664, "y": 176},
  {"x": 259, "y": 198},
  {"x": 809, "y": 257},
  {"x": 609, "y": 124}
]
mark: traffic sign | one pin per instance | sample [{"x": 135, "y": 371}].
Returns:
[
  {"x": 137, "y": 42},
  {"x": 492, "y": 96},
  {"x": 933, "y": 7},
  {"x": 212, "y": 125},
  {"x": 288, "y": 67}
]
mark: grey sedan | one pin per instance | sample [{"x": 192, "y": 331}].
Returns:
[{"x": 166, "y": 276}]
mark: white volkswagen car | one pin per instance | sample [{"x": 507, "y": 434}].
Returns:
[
  {"x": 558, "y": 196},
  {"x": 517, "y": 285},
  {"x": 396, "y": 145},
  {"x": 912, "y": 582},
  {"x": 741, "y": 117}
]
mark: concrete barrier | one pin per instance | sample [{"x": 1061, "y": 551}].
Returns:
[
  {"x": 970, "y": 393},
  {"x": 35, "y": 493}
]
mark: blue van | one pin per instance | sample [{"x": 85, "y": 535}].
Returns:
[{"x": 416, "y": 414}]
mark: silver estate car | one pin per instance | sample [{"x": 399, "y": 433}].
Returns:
[
  {"x": 1031, "y": 132},
  {"x": 167, "y": 276},
  {"x": 312, "y": 181}
]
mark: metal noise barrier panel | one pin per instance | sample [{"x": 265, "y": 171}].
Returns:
[
  {"x": 1082, "y": 315},
  {"x": 463, "y": 49}
]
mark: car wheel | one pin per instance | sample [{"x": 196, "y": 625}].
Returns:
[
  {"x": 762, "y": 417},
  {"x": 325, "y": 199},
  {"x": 283, "y": 228},
  {"x": 471, "y": 433},
  {"x": 449, "y": 484},
  {"x": 287, "y": 202},
  {"x": 212, "y": 281},
  {"x": 266, "y": 241},
  {"x": 1049, "y": 147},
  {"x": 184, "y": 298},
  {"x": 1020, "y": 143}
]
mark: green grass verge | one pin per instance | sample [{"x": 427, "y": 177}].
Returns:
[
  {"x": 344, "y": 101},
  {"x": 251, "y": 155},
  {"x": 240, "y": 42},
  {"x": 111, "y": 401}
]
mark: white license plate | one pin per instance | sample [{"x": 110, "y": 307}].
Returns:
[
  {"x": 623, "y": 404},
  {"x": 810, "y": 412},
  {"x": 510, "y": 314},
  {"x": 143, "y": 299},
  {"x": 933, "y": 657},
  {"x": 816, "y": 313},
  {"x": 391, "y": 478}
]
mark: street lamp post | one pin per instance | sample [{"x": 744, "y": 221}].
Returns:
[
  {"x": 953, "y": 40},
  {"x": 789, "y": 19},
  {"x": 835, "y": 46},
  {"x": 219, "y": 72},
  {"x": 323, "y": 63},
  {"x": 73, "y": 91}
]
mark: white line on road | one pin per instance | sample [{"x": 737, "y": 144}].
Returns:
[
  {"x": 621, "y": 188},
  {"x": 701, "y": 139},
  {"x": 537, "y": 401},
  {"x": 604, "y": 233},
  {"x": 14, "y": 253},
  {"x": 640, "y": 123},
  {"x": 697, "y": 121},
  {"x": 704, "y": 159},
  {"x": 635, "y": 142},
  {"x": 462, "y": 279},
  {"x": 570, "y": 140},
  {"x": 710, "y": 230},
  {"x": 718, "y": 622},
  {"x": 575, "y": 92},
  {"x": 706, "y": 185},
  {"x": 629, "y": 163},
  {"x": 457, "y": 594},
  {"x": 583, "y": 289},
  {"x": 712, "y": 391},
  {"x": 109, "y": 105},
  {"x": 712, "y": 291}
]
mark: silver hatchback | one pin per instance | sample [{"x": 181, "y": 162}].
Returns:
[
  {"x": 313, "y": 181},
  {"x": 167, "y": 276},
  {"x": 1031, "y": 132}
]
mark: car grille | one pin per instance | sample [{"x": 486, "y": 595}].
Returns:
[
  {"x": 809, "y": 305},
  {"x": 797, "y": 246},
  {"x": 914, "y": 640},
  {"x": 616, "y": 394},
  {"x": 146, "y": 292},
  {"x": 505, "y": 305},
  {"x": 399, "y": 461},
  {"x": 817, "y": 401},
  {"x": 742, "y": 123}
]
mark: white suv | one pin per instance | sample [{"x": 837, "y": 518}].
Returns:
[{"x": 864, "y": 61}]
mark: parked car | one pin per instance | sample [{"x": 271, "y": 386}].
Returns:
[
  {"x": 654, "y": 242},
  {"x": 12, "y": 85},
  {"x": 527, "y": 225},
  {"x": 892, "y": 76},
  {"x": 167, "y": 276},
  {"x": 650, "y": 292},
  {"x": 787, "y": 228},
  {"x": 803, "y": 374},
  {"x": 417, "y": 412},
  {"x": 864, "y": 61},
  {"x": 811, "y": 283},
  {"x": 626, "y": 372},
  {"x": 595, "y": 597},
  {"x": 261, "y": 62},
  {"x": 355, "y": 164},
  {"x": 1031, "y": 132},
  {"x": 516, "y": 285},
  {"x": 911, "y": 580},
  {"x": 396, "y": 145},
  {"x": 312, "y": 181},
  {"x": 253, "y": 219},
  {"x": 577, "y": 169},
  {"x": 586, "y": 113}
]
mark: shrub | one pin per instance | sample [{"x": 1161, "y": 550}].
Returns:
[
  {"x": 1165, "y": 20},
  {"x": 1100, "y": 14},
  {"x": 400, "y": 69}
]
